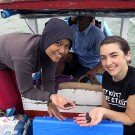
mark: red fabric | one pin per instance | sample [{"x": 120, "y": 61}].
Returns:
[{"x": 9, "y": 93}]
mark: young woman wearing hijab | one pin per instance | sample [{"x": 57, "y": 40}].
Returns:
[
  {"x": 22, "y": 54},
  {"x": 118, "y": 84}
]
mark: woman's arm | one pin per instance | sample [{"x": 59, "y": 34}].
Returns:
[
  {"x": 23, "y": 71},
  {"x": 127, "y": 117},
  {"x": 97, "y": 114}
]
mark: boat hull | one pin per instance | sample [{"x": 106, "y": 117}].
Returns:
[{"x": 85, "y": 100}]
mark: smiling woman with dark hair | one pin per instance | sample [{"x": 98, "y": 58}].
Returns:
[
  {"x": 22, "y": 54},
  {"x": 118, "y": 84}
]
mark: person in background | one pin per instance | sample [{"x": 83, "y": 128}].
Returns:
[
  {"x": 84, "y": 60},
  {"x": 118, "y": 84},
  {"x": 73, "y": 20},
  {"x": 22, "y": 54}
]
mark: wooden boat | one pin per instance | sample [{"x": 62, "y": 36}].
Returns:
[{"x": 33, "y": 9}]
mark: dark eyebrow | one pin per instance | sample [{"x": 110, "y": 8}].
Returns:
[
  {"x": 60, "y": 41},
  {"x": 101, "y": 55},
  {"x": 109, "y": 54},
  {"x": 113, "y": 53}
]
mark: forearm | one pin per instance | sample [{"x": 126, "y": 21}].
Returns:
[
  {"x": 117, "y": 116},
  {"x": 36, "y": 94}
]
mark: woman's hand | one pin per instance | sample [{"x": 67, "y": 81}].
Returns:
[
  {"x": 96, "y": 117},
  {"x": 53, "y": 111},
  {"x": 60, "y": 102}
]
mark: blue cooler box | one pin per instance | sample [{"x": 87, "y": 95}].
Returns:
[{"x": 52, "y": 126}]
